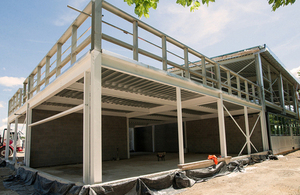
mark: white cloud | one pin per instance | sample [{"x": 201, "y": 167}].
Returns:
[
  {"x": 1, "y": 105},
  {"x": 69, "y": 15},
  {"x": 11, "y": 81},
  {"x": 295, "y": 71},
  {"x": 4, "y": 120},
  {"x": 4, "y": 69},
  {"x": 7, "y": 89}
]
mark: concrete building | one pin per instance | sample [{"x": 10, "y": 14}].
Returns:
[{"x": 85, "y": 104}]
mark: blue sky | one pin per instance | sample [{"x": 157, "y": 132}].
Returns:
[{"x": 28, "y": 30}]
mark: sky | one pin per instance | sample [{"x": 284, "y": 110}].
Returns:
[{"x": 29, "y": 29}]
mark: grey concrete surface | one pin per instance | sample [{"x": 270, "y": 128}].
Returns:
[{"x": 138, "y": 164}]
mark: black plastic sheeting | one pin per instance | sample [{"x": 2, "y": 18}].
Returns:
[{"x": 30, "y": 182}]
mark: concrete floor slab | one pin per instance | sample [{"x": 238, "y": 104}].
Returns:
[{"x": 138, "y": 164}]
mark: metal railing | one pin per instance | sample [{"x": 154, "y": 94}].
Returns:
[{"x": 172, "y": 55}]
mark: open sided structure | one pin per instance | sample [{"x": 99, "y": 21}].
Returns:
[{"x": 123, "y": 85}]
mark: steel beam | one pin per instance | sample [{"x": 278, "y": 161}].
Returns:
[
  {"x": 7, "y": 135},
  {"x": 28, "y": 135},
  {"x": 247, "y": 129}
]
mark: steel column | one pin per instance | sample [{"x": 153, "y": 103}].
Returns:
[
  {"x": 179, "y": 122},
  {"x": 15, "y": 139},
  {"x": 264, "y": 133},
  {"x": 164, "y": 52},
  {"x": 73, "y": 44},
  {"x": 86, "y": 128},
  {"x": 135, "y": 41},
  {"x": 7, "y": 135},
  {"x": 58, "y": 59},
  {"x": 281, "y": 93},
  {"x": 222, "y": 133},
  {"x": 247, "y": 129},
  {"x": 28, "y": 136}
]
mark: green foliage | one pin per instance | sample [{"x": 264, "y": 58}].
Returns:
[
  {"x": 278, "y": 3},
  {"x": 142, "y": 7}
]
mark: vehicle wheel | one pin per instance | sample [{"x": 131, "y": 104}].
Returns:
[
  {"x": 10, "y": 152},
  {"x": 2, "y": 152}
]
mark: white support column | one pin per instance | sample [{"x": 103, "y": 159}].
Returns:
[
  {"x": 222, "y": 133},
  {"x": 7, "y": 137},
  {"x": 153, "y": 138},
  {"x": 203, "y": 70},
  {"x": 28, "y": 136},
  {"x": 73, "y": 44},
  {"x": 58, "y": 59},
  {"x": 135, "y": 41},
  {"x": 95, "y": 175},
  {"x": 247, "y": 130},
  {"x": 86, "y": 128},
  {"x": 264, "y": 130},
  {"x": 179, "y": 121},
  {"x": 281, "y": 93},
  {"x": 47, "y": 71},
  {"x": 128, "y": 138},
  {"x": 259, "y": 77},
  {"x": 15, "y": 139}
]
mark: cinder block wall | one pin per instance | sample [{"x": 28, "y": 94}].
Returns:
[
  {"x": 143, "y": 139},
  {"x": 114, "y": 135},
  {"x": 56, "y": 142},
  {"x": 236, "y": 140},
  {"x": 203, "y": 136},
  {"x": 166, "y": 138},
  {"x": 60, "y": 141}
]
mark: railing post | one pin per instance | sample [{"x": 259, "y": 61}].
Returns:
[
  {"x": 259, "y": 77},
  {"x": 164, "y": 52},
  {"x": 246, "y": 90},
  {"x": 30, "y": 86},
  {"x": 135, "y": 41},
  {"x": 229, "y": 82},
  {"x": 74, "y": 44},
  {"x": 38, "y": 79},
  {"x": 24, "y": 92},
  {"x": 58, "y": 59},
  {"x": 203, "y": 70},
  {"x": 47, "y": 71},
  {"x": 186, "y": 63},
  {"x": 288, "y": 94},
  {"x": 20, "y": 97},
  {"x": 238, "y": 83},
  {"x": 218, "y": 76}
]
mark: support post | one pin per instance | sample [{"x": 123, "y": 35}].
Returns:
[
  {"x": 185, "y": 138},
  {"x": 128, "y": 139},
  {"x": 247, "y": 130},
  {"x": 259, "y": 78},
  {"x": 86, "y": 128},
  {"x": 73, "y": 44},
  {"x": 135, "y": 41},
  {"x": 281, "y": 93},
  {"x": 58, "y": 59},
  {"x": 270, "y": 83},
  {"x": 7, "y": 136},
  {"x": 264, "y": 133},
  {"x": 15, "y": 139},
  {"x": 95, "y": 160},
  {"x": 153, "y": 138},
  {"x": 179, "y": 122},
  {"x": 164, "y": 52},
  {"x": 222, "y": 133},
  {"x": 28, "y": 136}
]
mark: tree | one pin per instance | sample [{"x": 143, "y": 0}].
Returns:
[{"x": 142, "y": 6}]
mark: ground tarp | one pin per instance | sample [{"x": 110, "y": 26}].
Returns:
[{"x": 31, "y": 182}]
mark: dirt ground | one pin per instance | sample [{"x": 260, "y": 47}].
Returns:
[
  {"x": 4, "y": 173},
  {"x": 269, "y": 177}
]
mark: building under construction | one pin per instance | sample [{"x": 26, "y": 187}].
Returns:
[{"x": 109, "y": 91}]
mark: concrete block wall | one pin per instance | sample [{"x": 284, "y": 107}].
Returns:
[
  {"x": 60, "y": 141},
  {"x": 56, "y": 142},
  {"x": 166, "y": 138},
  {"x": 235, "y": 139},
  {"x": 203, "y": 136},
  {"x": 143, "y": 139},
  {"x": 114, "y": 135}
]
